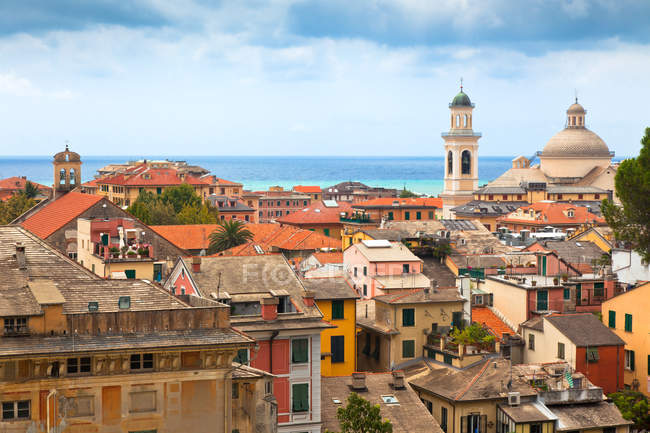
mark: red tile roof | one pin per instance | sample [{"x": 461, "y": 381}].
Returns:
[
  {"x": 317, "y": 213},
  {"x": 58, "y": 213},
  {"x": 141, "y": 175},
  {"x": 334, "y": 257},
  {"x": 197, "y": 237},
  {"x": 487, "y": 317},
  {"x": 403, "y": 202},
  {"x": 307, "y": 188},
  {"x": 11, "y": 185},
  {"x": 550, "y": 213}
]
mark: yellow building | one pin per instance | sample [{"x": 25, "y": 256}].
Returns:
[
  {"x": 352, "y": 235},
  {"x": 627, "y": 315},
  {"x": 336, "y": 299},
  {"x": 601, "y": 236},
  {"x": 395, "y": 327}
]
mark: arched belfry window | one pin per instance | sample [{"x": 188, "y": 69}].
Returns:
[
  {"x": 62, "y": 176},
  {"x": 72, "y": 176},
  {"x": 465, "y": 125},
  {"x": 450, "y": 163},
  {"x": 457, "y": 120},
  {"x": 466, "y": 162}
]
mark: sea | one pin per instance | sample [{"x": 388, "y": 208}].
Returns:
[{"x": 423, "y": 175}]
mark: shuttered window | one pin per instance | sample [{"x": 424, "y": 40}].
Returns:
[
  {"x": 338, "y": 348},
  {"x": 599, "y": 290},
  {"x": 299, "y": 350},
  {"x": 567, "y": 294},
  {"x": 408, "y": 317},
  {"x": 408, "y": 348},
  {"x": 560, "y": 350},
  {"x": 130, "y": 273},
  {"x": 612, "y": 319},
  {"x": 629, "y": 360},
  {"x": 337, "y": 309},
  {"x": 628, "y": 323},
  {"x": 300, "y": 397}
]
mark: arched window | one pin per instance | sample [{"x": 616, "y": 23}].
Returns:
[
  {"x": 62, "y": 176},
  {"x": 466, "y": 162},
  {"x": 450, "y": 163},
  {"x": 72, "y": 176},
  {"x": 457, "y": 120},
  {"x": 465, "y": 125}
]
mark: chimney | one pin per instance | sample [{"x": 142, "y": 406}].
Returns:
[
  {"x": 398, "y": 380},
  {"x": 308, "y": 298},
  {"x": 196, "y": 264},
  {"x": 20, "y": 256},
  {"x": 269, "y": 308},
  {"x": 359, "y": 381}
]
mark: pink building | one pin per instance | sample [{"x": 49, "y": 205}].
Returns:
[{"x": 380, "y": 267}]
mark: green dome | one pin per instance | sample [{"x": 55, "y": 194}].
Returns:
[{"x": 461, "y": 100}]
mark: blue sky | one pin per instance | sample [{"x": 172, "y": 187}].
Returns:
[{"x": 306, "y": 77}]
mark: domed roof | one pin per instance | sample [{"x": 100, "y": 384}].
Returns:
[
  {"x": 572, "y": 142},
  {"x": 67, "y": 155},
  {"x": 461, "y": 100},
  {"x": 576, "y": 109}
]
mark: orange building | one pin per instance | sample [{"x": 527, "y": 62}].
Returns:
[
  {"x": 14, "y": 185},
  {"x": 398, "y": 209},
  {"x": 313, "y": 191},
  {"x": 548, "y": 213},
  {"x": 326, "y": 217}
]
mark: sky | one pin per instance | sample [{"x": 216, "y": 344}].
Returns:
[{"x": 307, "y": 77}]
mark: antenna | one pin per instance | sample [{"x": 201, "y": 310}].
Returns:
[
  {"x": 576, "y": 94},
  {"x": 461, "y": 84}
]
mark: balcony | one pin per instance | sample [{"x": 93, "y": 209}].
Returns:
[
  {"x": 128, "y": 253},
  {"x": 356, "y": 219}
]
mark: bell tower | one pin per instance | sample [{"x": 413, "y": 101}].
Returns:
[
  {"x": 461, "y": 155},
  {"x": 67, "y": 172}
]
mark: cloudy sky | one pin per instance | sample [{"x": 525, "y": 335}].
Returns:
[{"x": 307, "y": 77}]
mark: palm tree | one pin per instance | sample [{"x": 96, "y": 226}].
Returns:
[
  {"x": 30, "y": 190},
  {"x": 228, "y": 234}
]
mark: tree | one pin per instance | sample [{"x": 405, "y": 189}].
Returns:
[
  {"x": 359, "y": 416},
  {"x": 176, "y": 205},
  {"x": 197, "y": 215},
  {"x": 405, "y": 193},
  {"x": 30, "y": 191},
  {"x": 162, "y": 213},
  {"x": 181, "y": 196},
  {"x": 17, "y": 205},
  {"x": 630, "y": 221},
  {"x": 634, "y": 407},
  {"x": 227, "y": 235},
  {"x": 475, "y": 334}
]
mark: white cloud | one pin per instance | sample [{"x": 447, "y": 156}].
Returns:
[{"x": 12, "y": 84}]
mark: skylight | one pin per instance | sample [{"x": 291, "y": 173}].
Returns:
[{"x": 389, "y": 399}]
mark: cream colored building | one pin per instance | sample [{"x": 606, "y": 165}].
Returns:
[{"x": 461, "y": 155}]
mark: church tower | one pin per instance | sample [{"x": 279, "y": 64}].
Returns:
[
  {"x": 67, "y": 172},
  {"x": 461, "y": 155}
]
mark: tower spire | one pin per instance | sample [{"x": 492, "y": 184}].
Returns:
[{"x": 461, "y": 84}]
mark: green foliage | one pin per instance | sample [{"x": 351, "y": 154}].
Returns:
[
  {"x": 634, "y": 407},
  {"x": 229, "y": 234},
  {"x": 360, "y": 416},
  {"x": 176, "y": 205},
  {"x": 473, "y": 334},
  {"x": 30, "y": 191},
  {"x": 630, "y": 221},
  {"x": 15, "y": 206},
  {"x": 405, "y": 193}
]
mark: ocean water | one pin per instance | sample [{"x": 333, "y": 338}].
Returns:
[{"x": 423, "y": 175}]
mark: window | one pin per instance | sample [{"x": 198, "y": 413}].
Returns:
[
  {"x": 235, "y": 391},
  {"x": 465, "y": 162},
  {"x": 408, "y": 348},
  {"x": 390, "y": 216},
  {"x": 242, "y": 356},
  {"x": 567, "y": 294},
  {"x": 337, "y": 309},
  {"x": 570, "y": 213},
  {"x": 159, "y": 190},
  {"x": 474, "y": 423},
  {"x": 407, "y": 215},
  {"x": 389, "y": 399},
  {"x": 405, "y": 268},
  {"x": 430, "y": 214},
  {"x": 599, "y": 290},
  {"x": 300, "y": 397},
  {"x": 628, "y": 323},
  {"x": 365, "y": 270},
  {"x": 304, "y": 203},
  {"x": 519, "y": 197},
  {"x": 130, "y": 274},
  {"x": 16, "y": 409},
  {"x": 78, "y": 365},
  {"x": 338, "y": 348},
  {"x": 355, "y": 271},
  {"x": 450, "y": 162},
  {"x": 560, "y": 350},
  {"x": 142, "y": 361},
  {"x": 612, "y": 319},
  {"x": 326, "y": 231},
  {"x": 580, "y": 197},
  {"x": 408, "y": 317},
  {"x": 592, "y": 354},
  {"x": 124, "y": 302},
  {"x": 443, "y": 419},
  {"x": 143, "y": 401},
  {"x": 268, "y": 387},
  {"x": 15, "y": 325},
  {"x": 597, "y": 196},
  {"x": 531, "y": 341},
  {"x": 629, "y": 360},
  {"x": 536, "y": 428},
  {"x": 365, "y": 290},
  {"x": 82, "y": 405},
  {"x": 609, "y": 430},
  {"x": 299, "y": 350},
  {"x": 418, "y": 215}
]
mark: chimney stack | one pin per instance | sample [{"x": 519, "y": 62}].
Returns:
[
  {"x": 359, "y": 381},
  {"x": 20, "y": 256},
  {"x": 308, "y": 298},
  {"x": 269, "y": 308},
  {"x": 398, "y": 380},
  {"x": 196, "y": 264}
]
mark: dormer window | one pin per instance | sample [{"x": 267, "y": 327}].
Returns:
[
  {"x": 15, "y": 325},
  {"x": 570, "y": 213}
]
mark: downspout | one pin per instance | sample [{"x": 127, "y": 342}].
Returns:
[
  {"x": 273, "y": 335},
  {"x": 227, "y": 410},
  {"x": 47, "y": 402},
  {"x": 618, "y": 362}
]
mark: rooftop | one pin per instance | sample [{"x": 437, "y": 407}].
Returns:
[
  {"x": 330, "y": 288},
  {"x": 391, "y": 252},
  {"x": 307, "y": 188},
  {"x": 317, "y": 213},
  {"x": 584, "y": 329},
  {"x": 551, "y": 213},
  {"x": 146, "y": 175},
  {"x": 495, "y": 325},
  {"x": 588, "y": 416},
  {"x": 421, "y": 296},
  {"x": 411, "y": 280},
  {"x": 410, "y": 203}
]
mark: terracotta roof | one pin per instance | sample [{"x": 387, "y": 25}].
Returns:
[
  {"x": 307, "y": 188},
  {"x": 550, "y": 213},
  {"x": 197, "y": 237},
  {"x": 413, "y": 202},
  {"x": 56, "y": 214},
  {"x": 18, "y": 183},
  {"x": 91, "y": 183},
  {"x": 317, "y": 213},
  {"x": 142, "y": 175},
  {"x": 418, "y": 296},
  {"x": 496, "y": 326},
  {"x": 324, "y": 258}
]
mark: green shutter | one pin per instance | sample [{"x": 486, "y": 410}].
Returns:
[
  {"x": 326, "y": 231},
  {"x": 408, "y": 317},
  {"x": 632, "y": 360},
  {"x": 242, "y": 356},
  {"x": 390, "y": 216},
  {"x": 130, "y": 273},
  {"x": 408, "y": 348},
  {"x": 337, "y": 309},
  {"x": 104, "y": 239},
  {"x": 337, "y": 343},
  {"x": 628, "y": 323},
  {"x": 300, "y": 397},
  {"x": 648, "y": 365},
  {"x": 407, "y": 215},
  {"x": 299, "y": 350},
  {"x": 612, "y": 319},
  {"x": 418, "y": 215},
  {"x": 567, "y": 293}
]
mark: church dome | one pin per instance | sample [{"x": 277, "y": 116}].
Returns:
[
  {"x": 576, "y": 109},
  {"x": 67, "y": 155},
  {"x": 461, "y": 100},
  {"x": 572, "y": 142}
]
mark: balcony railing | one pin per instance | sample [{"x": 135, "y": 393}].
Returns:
[{"x": 361, "y": 219}]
